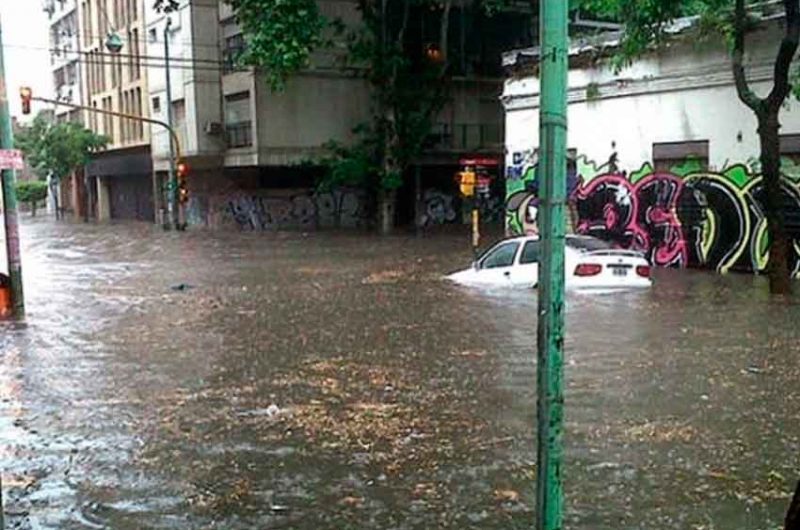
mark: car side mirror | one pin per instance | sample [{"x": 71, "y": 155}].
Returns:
[{"x": 475, "y": 265}]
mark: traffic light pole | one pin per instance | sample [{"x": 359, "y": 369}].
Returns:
[
  {"x": 172, "y": 206},
  {"x": 552, "y": 174},
  {"x": 10, "y": 201},
  {"x": 175, "y": 145},
  {"x": 133, "y": 117}
]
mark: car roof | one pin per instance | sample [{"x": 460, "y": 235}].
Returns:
[{"x": 535, "y": 237}]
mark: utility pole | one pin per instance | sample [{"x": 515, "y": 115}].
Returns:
[
  {"x": 172, "y": 206},
  {"x": 552, "y": 174},
  {"x": 10, "y": 198}
]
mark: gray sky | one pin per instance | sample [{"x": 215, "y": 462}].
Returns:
[{"x": 25, "y": 43}]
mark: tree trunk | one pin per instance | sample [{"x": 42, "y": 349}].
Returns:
[
  {"x": 793, "y": 514},
  {"x": 56, "y": 202},
  {"x": 778, "y": 268},
  {"x": 387, "y": 200},
  {"x": 418, "y": 200}
]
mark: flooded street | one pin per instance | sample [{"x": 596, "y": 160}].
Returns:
[{"x": 289, "y": 380}]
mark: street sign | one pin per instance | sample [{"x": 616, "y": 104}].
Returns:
[{"x": 11, "y": 159}]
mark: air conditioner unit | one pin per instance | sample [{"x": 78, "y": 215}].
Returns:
[{"x": 213, "y": 128}]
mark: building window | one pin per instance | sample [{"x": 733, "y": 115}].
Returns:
[
  {"x": 125, "y": 122},
  {"x": 670, "y": 154},
  {"x": 156, "y": 105},
  {"x": 71, "y": 74},
  {"x": 102, "y": 21},
  {"x": 85, "y": 18},
  {"x": 137, "y": 61},
  {"x": 179, "y": 111},
  {"x": 234, "y": 46},
  {"x": 90, "y": 72},
  {"x": 138, "y": 112},
  {"x": 115, "y": 81},
  {"x": 131, "y": 60},
  {"x": 108, "y": 122},
  {"x": 238, "y": 122},
  {"x": 58, "y": 78}
]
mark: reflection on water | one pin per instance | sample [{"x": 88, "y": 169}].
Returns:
[{"x": 208, "y": 380}]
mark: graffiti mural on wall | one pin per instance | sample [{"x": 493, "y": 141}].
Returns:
[
  {"x": 440, "y": 207},
  {"x": 343, "y": 208},
  {"x": 437, "y": 208},
  {"x": 683, "y": 218}
]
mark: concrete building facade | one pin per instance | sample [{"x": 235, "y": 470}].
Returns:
[
  {"x": 65, "y": 63},
  {"x": 118, "y": 181}
]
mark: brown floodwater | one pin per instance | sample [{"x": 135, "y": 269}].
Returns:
[{"x": 334, "y": 380}]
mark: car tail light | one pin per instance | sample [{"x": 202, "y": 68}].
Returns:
[
  {"x": 643, "y": 271},
  {"x": 588, "y": 269}
]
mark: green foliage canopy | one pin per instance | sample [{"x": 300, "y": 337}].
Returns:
[
  {"x": 31, "y": 191},
  {"x": 57, "y": 149}
]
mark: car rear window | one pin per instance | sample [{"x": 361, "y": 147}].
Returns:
[{"x": 588, "y": 243}]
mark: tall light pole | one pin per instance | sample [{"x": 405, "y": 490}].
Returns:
[
  {"x": 552, "y": 174},
  {"x": 172, "y": 205},
  {"x": 10, "y": 199}
]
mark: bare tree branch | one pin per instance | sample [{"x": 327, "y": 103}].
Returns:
[
  {"x": 747, "y": 96},
  {"x": 788, "y": 48},
  {"x": 444, "y": 31},
  {"x": 401, "y": 36}
]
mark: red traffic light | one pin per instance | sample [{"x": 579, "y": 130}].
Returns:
[
  {"x": 183, "y": 169},
  {"x": 26, "y": 93}
]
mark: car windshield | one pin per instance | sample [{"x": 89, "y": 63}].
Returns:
[{"x": 588, "y": 244}]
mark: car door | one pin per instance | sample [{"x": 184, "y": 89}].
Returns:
[
  {"x": 496, "y": 266},
  {"x": 526, "y": 270}
]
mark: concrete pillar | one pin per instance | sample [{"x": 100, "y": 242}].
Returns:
[
  {"x": 75, "y": 195},
  {"x": 103, "y": 199}
]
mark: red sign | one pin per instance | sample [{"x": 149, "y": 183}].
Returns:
[
  {"x": 479, "y": 162},
  {"x": 11, "y": 159}
]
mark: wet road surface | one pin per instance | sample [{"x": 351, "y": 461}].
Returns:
[{"x": 240, "y": 381}]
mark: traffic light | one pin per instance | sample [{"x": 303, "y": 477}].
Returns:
[
  {"x": 183, "y": 173},
  {"x": 26, "y": 93},
  {"x": 467, "y": 183},
  {"x": 183, "y": 169}
]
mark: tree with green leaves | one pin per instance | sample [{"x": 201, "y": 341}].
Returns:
[
  {"x": 646, "y": 22},
  {"x": 31, "y": 192},
  {"x": 57, "y": 150}
]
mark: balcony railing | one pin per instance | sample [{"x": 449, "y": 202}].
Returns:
[
  {"x": 239, "y": 134},
  {"x": 464, "y": 136}
]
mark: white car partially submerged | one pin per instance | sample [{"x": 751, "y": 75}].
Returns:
[{"x": 589, "y": 263}]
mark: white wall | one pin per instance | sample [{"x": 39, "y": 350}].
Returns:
[
  {"x": 194, "y": 36},
  {"x": 684, "y": 94}
]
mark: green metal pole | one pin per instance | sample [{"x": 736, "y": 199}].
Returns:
[
  {"x": 172, "y": 206},
  {"x": 10, "y": 198},
  {"x": 552, "y": 174}
]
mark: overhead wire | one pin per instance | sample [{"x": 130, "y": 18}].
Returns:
[
  {"x": 145, "y": 38},
  {"x": 134, "y": 56},
  {"x": 155, "y": 63}
]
